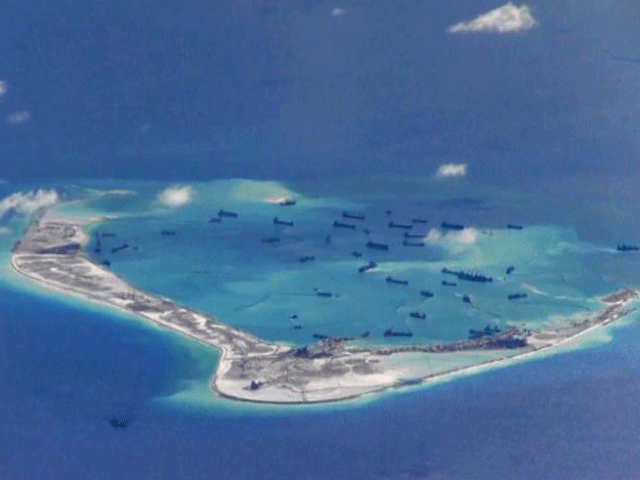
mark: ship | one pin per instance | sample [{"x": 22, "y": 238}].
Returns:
[
  {"x": 419, "y": 315},
  {"x": 277, "y": 221},
  {"x": 412, "y": 244},
  {"x": 324, "y": 294},
  {"x": 516, "y": 296},
  {"x": 286, "y": 202},
  {"x": 390, "y": 333},
  {"x": 225, "y": 213},
  {"x": 418, "y": 220},
  {"x": 514, "y": 227},
  {"x": 510, "y": 269},
  {"x": 405, "y": 226},
  {"x": 426, "y": 293},
  {"x": 365, "y": 334},
  {"x": 98, "y": 248},
  {"x": 115, "y": 423},
  {"x": 167, "y": 233},
  {"x": 320, "y": 336},
  {"x": 307, "y": 258},
  {"x": 377, "y": 246},
  {"x": 369, "y": 266},
  {"x": 271, "y": 240},
  {"x": 397, "y": 281},
  {"x": 121, "y": 247},
  {"x": 353, "y": 216},
  {"x": 469, "y": 277},
  {"x": 338, "y": 224},
  {"x": 473, "y": 277},
  {"x": 485, "y": 332},
  {"x": 449, "y": 284},
  {"x": 356, "y": 254},
  {"x": 413, "y": 235},
  {"x": 622, "y": 247},
  {"x": 451, "y": 226},
  {"x": 466, "y": 298}
]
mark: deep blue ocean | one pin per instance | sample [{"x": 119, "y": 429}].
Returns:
[{"x": 351, "y": 111}]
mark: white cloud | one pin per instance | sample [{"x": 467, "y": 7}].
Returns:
[
  {"x": 29, "y": 202},
  {"x": 18, "y": 117},
  {"x": 433, "y": 236},
  {"x": 338, "y": 12},
  {"x": 467, "y": 236},
  {"x": 177, "y": 196},
  {"x": 506, "y": 19},
  {"x": 447, "y": 170}
]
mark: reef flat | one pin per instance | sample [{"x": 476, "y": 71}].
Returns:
[{"x": 52, "y": 253}]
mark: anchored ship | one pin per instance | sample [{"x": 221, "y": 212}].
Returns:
[
  {"x": 516, "y": 296},
  {"x": 390, "y": 333},
  {"x": 405, "y": 226},
  {"x": 225, "y": 213},
  {"x": 369, "y": 266},
  {"x": 451, "y": 226},
  {"x": 377, "y": 246},
  {"x": 353, "y": 216},
  {"x": 277, "y": 221},
  {"x": 338, "y": 224},
  {"x": 395, "y": 280}
]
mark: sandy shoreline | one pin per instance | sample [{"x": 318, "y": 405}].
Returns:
[{"x": 51, "y": 253}]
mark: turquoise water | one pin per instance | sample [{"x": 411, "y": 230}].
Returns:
[{"x": 226, "y": 270}]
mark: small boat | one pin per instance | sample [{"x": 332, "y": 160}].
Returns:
[
  {"x": 406, "y": 243},
  {"x": 426, "y": 293},
  {"x": 511, "y": 226},
  {"x": 449, "y": 284},
  {"x": 510, "y": 269},
  {"x": 400, "y": 225},
  {"x": 338, "y": 224},
  {"x": 121, "y": 247},
  {"x": 353, "y": 216},
  {"x": 225, "y": 213},
  {"x": 286, "y": 202},
  {"x": 167, "y": 233},
  {"x": 271, "y": 240},
  {"x": 397, "y": 281},
  {"x": 466, "y": 298},
  {"x": 377, "y": 246},
  {"x": 369, "y": 266},
  {"x": 356, "y": 254},
  {"x": 215, "y": 220},
  {"x": 307, "y": 258},
  {"x": 627, "y": 248},
  {"x": 418, "y": 315},
  {"x": 324, "y": 294},
  {"x": 418, "y": 220},
  {"x": 451, "y": 226},
  {"x": 277, "y": 221},
  {"x": 517, "y": 296},
  {"x": 390, "y": 333}
]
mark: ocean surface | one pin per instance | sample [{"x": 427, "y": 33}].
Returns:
[
  {"x": 348, "y": 105},
  {"x": 68, "y": 366}
]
